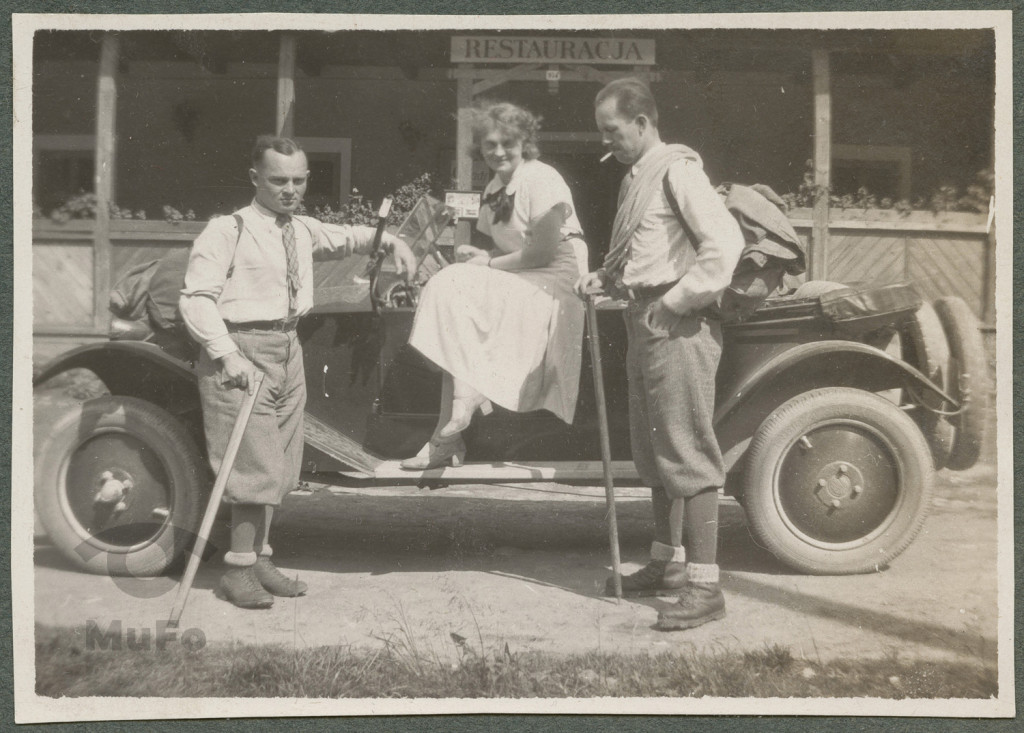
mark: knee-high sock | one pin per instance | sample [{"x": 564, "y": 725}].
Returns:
[
  {"x": 245, "y": 520},
  {"x": 262, "y": 543},
  {"x": 701, "y": 520},
  {"x": 668, "y": 519}
]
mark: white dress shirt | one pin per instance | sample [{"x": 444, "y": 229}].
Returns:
[
  {"x": 249, "y": 281},
  {"x": 662, "y": 253}
]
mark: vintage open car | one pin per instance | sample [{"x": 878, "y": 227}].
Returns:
[{"x": 835, "y": 407}]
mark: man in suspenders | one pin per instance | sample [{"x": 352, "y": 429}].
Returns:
[{"x": 244, "y": 294}]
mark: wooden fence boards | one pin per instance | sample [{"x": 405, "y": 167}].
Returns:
[
  {"x": 867, "y": 257},
  {"x": 62, "y": 284},
  {"x": 940, "y": 258},
  {"x": 944, "y": 264}
]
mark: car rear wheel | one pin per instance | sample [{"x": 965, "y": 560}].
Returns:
[
  {"x": 838, "y": 481},
  {"x": 119, "y": 485},
  {"x": 970, "y": 379}
]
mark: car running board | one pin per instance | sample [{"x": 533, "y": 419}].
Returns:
[
  {"x": 338, "y": 446},
  {"x": 391, "y": 472}
]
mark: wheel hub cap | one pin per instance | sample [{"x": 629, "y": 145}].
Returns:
[
  {"x": 117, "y": 489},
  {"x": 838, "y": 482}
]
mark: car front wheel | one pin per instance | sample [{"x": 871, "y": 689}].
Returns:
[
  {"x": 119, "y": 485},
  {"x": 838, "y": 481}
]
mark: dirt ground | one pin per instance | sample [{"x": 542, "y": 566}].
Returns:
[{"x": 525, "y": 566}]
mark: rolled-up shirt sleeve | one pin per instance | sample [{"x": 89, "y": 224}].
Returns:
[
  {"x": 337, "y": 241},
  {"x": 208, "y": 264},
  {"x": 718, "y": 245}
]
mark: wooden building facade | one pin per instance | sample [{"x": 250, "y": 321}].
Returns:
[{"x": 148, "y": 119}]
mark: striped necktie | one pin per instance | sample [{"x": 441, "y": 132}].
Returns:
[{"x": 292, "y": 256}]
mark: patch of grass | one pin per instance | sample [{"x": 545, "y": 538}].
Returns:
[{"x": 65, "y": 667}]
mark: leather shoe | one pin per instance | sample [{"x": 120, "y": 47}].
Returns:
[
  {"x": 658, "y": 577},
  {"x": 438, "y": 452},
  {"x": 275, "y": 581},
  {"x": 241, "y": 587},
  {"x": 697, "y": 604}
]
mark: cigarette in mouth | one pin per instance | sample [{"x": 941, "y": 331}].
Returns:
[{"x": 606, "y": 156}]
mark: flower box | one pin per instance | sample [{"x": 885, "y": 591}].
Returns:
[
  {"x": 132, "y": 229},
  {"x": 893, "y": 220}
]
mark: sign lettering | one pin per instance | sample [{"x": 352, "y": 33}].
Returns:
[{"x": 524, "y": 49}]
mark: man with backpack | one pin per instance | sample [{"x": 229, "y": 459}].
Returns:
[
  {"x": 674, "y": 248},
  {"x": 249, "y": 280}
]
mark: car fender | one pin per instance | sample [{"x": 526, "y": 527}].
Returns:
[
  {"x": 133, "y": 368},
  {"x": 144, "y": 370},
  {"x": 831, "y": 363}
]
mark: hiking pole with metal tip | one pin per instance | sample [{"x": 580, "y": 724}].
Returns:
[
  {"x": 216, "y": 494},
  {"x": 606, "y": 451}
]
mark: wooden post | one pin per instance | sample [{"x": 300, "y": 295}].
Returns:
[
  {"x": 103, "y": 180},
  {"x": 988, "y": 284},
  {"x": 463, "y": 162},
  {"x": 818, "y": 266},
  {"x": 286, "y": 86}
]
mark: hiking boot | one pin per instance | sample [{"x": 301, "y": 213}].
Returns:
[
  {"x": 275, "y": 581},
  {"x": 654, "y": 578},
  {"x": 241, "y": 587},
  {"x": 697, "y": 604}
]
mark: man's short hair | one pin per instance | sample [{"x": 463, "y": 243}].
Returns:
[
  {"x": 282, "y": 145},
  {"x": 632, "y": 99}
]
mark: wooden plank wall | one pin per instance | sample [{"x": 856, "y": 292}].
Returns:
[
  {"x": 937, "y": 262},
  {"x": 946, "y": 264},
  {"x": 62, "y": 289}
]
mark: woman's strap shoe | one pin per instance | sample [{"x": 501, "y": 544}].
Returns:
[{"x": 438, "y": 452}]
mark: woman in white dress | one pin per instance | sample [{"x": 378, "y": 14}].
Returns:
[{"x": 504, "y": 324}]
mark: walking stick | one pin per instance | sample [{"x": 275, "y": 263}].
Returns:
[
  {"x": 606, "y": 451},
  {"x": 216, "y": 494}
]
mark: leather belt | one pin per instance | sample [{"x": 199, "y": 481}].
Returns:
[{"x": 281, "y": 325}]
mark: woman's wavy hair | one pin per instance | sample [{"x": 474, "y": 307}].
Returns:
[{"x": 512, "y": 120}]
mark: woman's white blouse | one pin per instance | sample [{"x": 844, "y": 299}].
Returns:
[{"x": 538, "y": 188}]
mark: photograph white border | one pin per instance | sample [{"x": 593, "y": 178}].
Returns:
[{"x": 31, "y": 708}]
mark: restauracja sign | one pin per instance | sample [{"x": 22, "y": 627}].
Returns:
[{"x": 520, "y": 49}]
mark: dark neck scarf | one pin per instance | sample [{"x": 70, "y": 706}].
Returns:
[{"x": 501, "y": 204}]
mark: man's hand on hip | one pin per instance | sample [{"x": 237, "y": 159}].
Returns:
[
  {"x": 238, "y": 372},
  {"x": 663, "y": 318}
]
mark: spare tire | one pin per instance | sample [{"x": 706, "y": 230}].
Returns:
[
  {"x": 925, "y": 347},
  {"x": 969, "y": 376},
  {"x": 891, "y": 342}
]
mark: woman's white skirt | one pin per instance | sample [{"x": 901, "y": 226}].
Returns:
[{"x": 515, "y": 337}]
